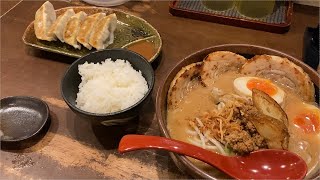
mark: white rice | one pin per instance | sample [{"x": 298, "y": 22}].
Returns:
[{"x": 110, "y": 86}]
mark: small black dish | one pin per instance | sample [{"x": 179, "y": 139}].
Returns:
[
  {"x": 22, "y": 119},
  {"x": 72, "y": 79}
]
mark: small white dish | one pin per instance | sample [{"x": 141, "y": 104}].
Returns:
[{"x": 106, "y": 3}]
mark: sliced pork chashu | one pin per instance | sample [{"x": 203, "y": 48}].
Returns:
[
  {"x": 185, "y": 79},
  {"x": 281, "y": 71},
  {"x": 218, "y": 63}
]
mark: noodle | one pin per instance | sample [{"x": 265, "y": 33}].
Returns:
[
  {"x": 199, "y": 122},
  {"x": 204, "y": 138},
  {"x": 221, "y": 133},
  {"x": 191, "y": 132},
  {"x": 218, "y": 145},
  {"x": 194, "y": 142},
  {"x": 211, "y": 147},
  {"x": 201, "y": 136}
]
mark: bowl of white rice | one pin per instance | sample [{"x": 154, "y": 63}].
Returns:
[{"x": 108, "y": 86}]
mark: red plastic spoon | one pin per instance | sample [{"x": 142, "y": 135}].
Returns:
[{"x": 262, "y": 164}]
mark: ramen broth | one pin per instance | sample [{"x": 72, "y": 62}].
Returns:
[{"x": 199, "y": 100}]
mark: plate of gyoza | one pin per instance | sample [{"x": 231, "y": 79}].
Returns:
[{"x": 79, "y": 30}]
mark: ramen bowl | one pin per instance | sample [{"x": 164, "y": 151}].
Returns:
[{"x": 248, "y": 51}]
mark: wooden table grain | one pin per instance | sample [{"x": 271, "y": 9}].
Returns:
[{"x": 73, "y": 148}]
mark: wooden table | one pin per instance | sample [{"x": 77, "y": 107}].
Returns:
[{"x": 72, "y": 148}]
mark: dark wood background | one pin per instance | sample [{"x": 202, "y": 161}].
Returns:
[{"x": 72, "y": 147}]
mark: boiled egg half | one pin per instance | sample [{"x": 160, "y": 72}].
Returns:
[
  {"x": 307, "y": 118},
  {"x": 244, "y": 86}
]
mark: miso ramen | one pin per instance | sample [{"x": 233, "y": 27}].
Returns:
[{"x": 215, "y": 113}]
